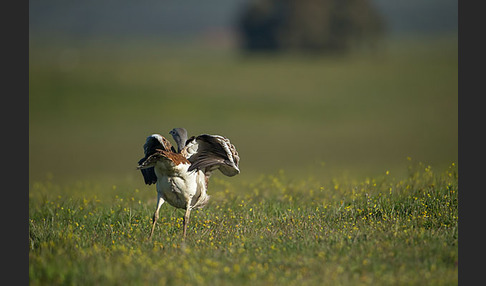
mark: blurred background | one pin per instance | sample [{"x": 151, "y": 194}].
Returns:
[{"x": 315, "y": 87}]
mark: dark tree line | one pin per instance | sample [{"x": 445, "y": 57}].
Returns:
[{"x": 311, "y": 25}]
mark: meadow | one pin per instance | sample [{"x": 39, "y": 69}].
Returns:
[
  {"x": 273, "y": 231},
  {"x": 349, "y": 165}
]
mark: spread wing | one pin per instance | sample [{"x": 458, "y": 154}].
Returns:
[
  {"x": 211, "y": 152},
  {"x": 153, "y": 144}
]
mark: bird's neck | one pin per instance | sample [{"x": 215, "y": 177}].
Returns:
[{"x": 181, "y": 143}]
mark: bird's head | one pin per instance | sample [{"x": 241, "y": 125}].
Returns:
[{"x": 180, "y": 137}]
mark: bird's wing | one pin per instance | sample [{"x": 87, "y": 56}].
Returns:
[
  {"x": 148, "y": 174},
  {"x": 210, "y": 152},
  {"x": 153, "y": 143},
  {"x": 169, "y": 158}
]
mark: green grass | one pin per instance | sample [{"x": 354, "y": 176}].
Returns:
[
  {"x": 361, "y": 113},
  {"x": 275, "y": 230}
]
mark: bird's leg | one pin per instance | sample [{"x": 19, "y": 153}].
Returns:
[
  {"x": 186, "y": 219},
  {"x": 160, "y": 201},
  {"x": 154, "y": 221}
]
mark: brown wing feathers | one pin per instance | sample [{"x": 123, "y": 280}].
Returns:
[
  {"x": 154, "y": 145},
  {"x": 175, "y": 158},
  {"x": 213, "y": 152}
]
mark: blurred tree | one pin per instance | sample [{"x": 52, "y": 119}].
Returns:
[{"x": 315, "y": 25}]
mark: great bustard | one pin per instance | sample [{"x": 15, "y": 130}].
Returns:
[{"x": 182, "y": 175}]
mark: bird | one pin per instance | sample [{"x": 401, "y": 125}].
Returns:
[{"x": 182, "y": 175}]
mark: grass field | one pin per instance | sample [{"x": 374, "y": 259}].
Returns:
[
  {"x": 361, "y": 113},
  {"x": 277, "y": 231},
  {"x": 349, "y": 172}
]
